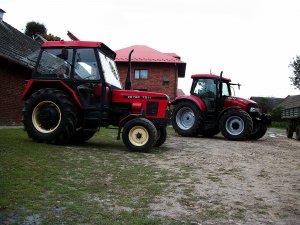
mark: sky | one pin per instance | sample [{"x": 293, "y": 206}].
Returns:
[{"x": 251, "y": 41}]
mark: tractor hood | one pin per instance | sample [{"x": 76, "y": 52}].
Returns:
[{"x": 237, "y": 101}]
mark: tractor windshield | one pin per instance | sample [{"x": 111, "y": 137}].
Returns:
[
  {"x": 110, "y": 70},
  {"x": 225, "y": 89}
]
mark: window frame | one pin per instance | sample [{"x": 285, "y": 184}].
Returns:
[{"x": 139, "y": 77}]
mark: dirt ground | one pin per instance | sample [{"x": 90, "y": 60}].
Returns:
[{"x": 227, "y": 182}]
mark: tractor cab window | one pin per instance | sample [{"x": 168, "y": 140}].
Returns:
[
  {"x": 225, "y": 89},
  {"x": 110, "y": 70},
  {"x": 86, "y": 65},
  {"x": 205, "y": 88},
  {"x": 54, "y": 63}
]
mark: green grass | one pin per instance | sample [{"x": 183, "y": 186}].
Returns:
[{"x": 100, "y": 182}]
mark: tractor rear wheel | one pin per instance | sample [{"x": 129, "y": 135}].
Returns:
[
  {"x": 259, "y": 133},
  {"x": 236, "y": 125},
  {"x": 49, "y": 116},
  {"x": 186, "y": 119},
  {"x": 161, "y": 135},
  {"x": 81, "y": 136},
  {"x": 139, "y": 135}
]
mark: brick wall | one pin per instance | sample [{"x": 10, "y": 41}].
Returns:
[
  {"x": 157, "y": 73},
  {"x": 12, "y": 78}
]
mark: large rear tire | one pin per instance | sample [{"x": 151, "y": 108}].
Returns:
[
  {"x": 81, "y": 136},
  {"x": 236, "y": 125},
  {"x": 260, "y": 132},
  {"x": 139, "y": 135},
  {"x": 49, "y": 116},
  {"x": 186, "y": 119}
]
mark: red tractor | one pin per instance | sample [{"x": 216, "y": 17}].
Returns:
[
  {"x": 211, "y": 108},
  {"x": 75, "y": 89}
]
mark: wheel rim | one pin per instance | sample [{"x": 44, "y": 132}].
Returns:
[
  {"x": 46, "y": 116},
  {"x": 138, "y": 135},
  {"x": 235, "y": 125},
  {"x": 185, "y": 118}
]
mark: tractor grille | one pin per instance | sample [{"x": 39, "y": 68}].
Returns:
[{"x": 152, "y": 108}]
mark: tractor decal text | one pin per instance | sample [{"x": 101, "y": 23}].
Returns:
[{"x": 143, "y": 97}]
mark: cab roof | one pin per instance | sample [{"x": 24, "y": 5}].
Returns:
[
  {"x": 83, "y": 44},
  {"x": 209, "y": 76},
  {"x": 71, "y": 44}
]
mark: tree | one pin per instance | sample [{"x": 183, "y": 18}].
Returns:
[
  {"x": 295, "y": 79},
  {"x": 51, "y": 37},
  {"x": 33, "y": 28},
  {"x": 276, "y": 113}
]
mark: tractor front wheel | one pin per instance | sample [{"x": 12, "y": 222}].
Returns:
[
  {"x": 139, "y": 135},
  {"x": 236, "y": 125},
  {"x": 161, "y": 135},
  {"x": 49, "y": 116},
  {"x": 259, "y": 133}
]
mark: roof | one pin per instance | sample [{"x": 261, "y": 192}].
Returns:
[
  {"x": 209, "y": 76},
  {"x": 90, "y": 44},
  {"x": 71, "y": 44},
  {"x": 291, "y": 101},
  {"x": 143, "y": 53},
  {"x": 16, "y": 46},
  {"x": 271, "y": 101}
]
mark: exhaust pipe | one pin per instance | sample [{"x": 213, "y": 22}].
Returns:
[{"x": 128, "y": 78}]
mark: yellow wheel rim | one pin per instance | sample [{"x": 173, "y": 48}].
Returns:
[
  {"x": 138, "y": 135},
  {"x": 40, "y": 120}
]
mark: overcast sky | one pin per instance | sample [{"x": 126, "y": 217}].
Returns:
[{"x": 251, "y": 41}]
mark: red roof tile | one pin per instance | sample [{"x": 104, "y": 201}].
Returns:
[{"x": 144, "y": 53}]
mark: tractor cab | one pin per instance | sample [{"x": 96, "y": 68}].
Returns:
[
  {"x": 85, "y": 68},
  {"x": 208, "y": 88}
]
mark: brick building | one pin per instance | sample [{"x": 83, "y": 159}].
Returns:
[
  {"x": 14, "y": 69},
  {"x": 151, "y": 70}
]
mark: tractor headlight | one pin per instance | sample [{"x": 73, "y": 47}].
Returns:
[{"x": 254, "y": 110}]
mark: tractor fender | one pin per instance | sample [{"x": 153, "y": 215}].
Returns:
[
  {"x": 35, "y": 85},
  {"x": 191, "y": 98}
]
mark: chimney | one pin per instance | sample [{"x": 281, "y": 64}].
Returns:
[{"x": 1, "y": 15}]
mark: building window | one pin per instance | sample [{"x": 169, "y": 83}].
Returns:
[
  {"x": 141, "y": 74},
  {"x": 165, "y": 81}
]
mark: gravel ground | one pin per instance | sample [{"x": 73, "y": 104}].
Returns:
[{"x": 231, "y": 182}]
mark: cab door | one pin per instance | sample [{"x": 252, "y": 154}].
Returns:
[{"x": 206, "y": 90}]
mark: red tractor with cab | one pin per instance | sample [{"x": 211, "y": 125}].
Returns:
[
  {"x": 211, "y": 108},
  {"x": 75, "y": 89}
]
